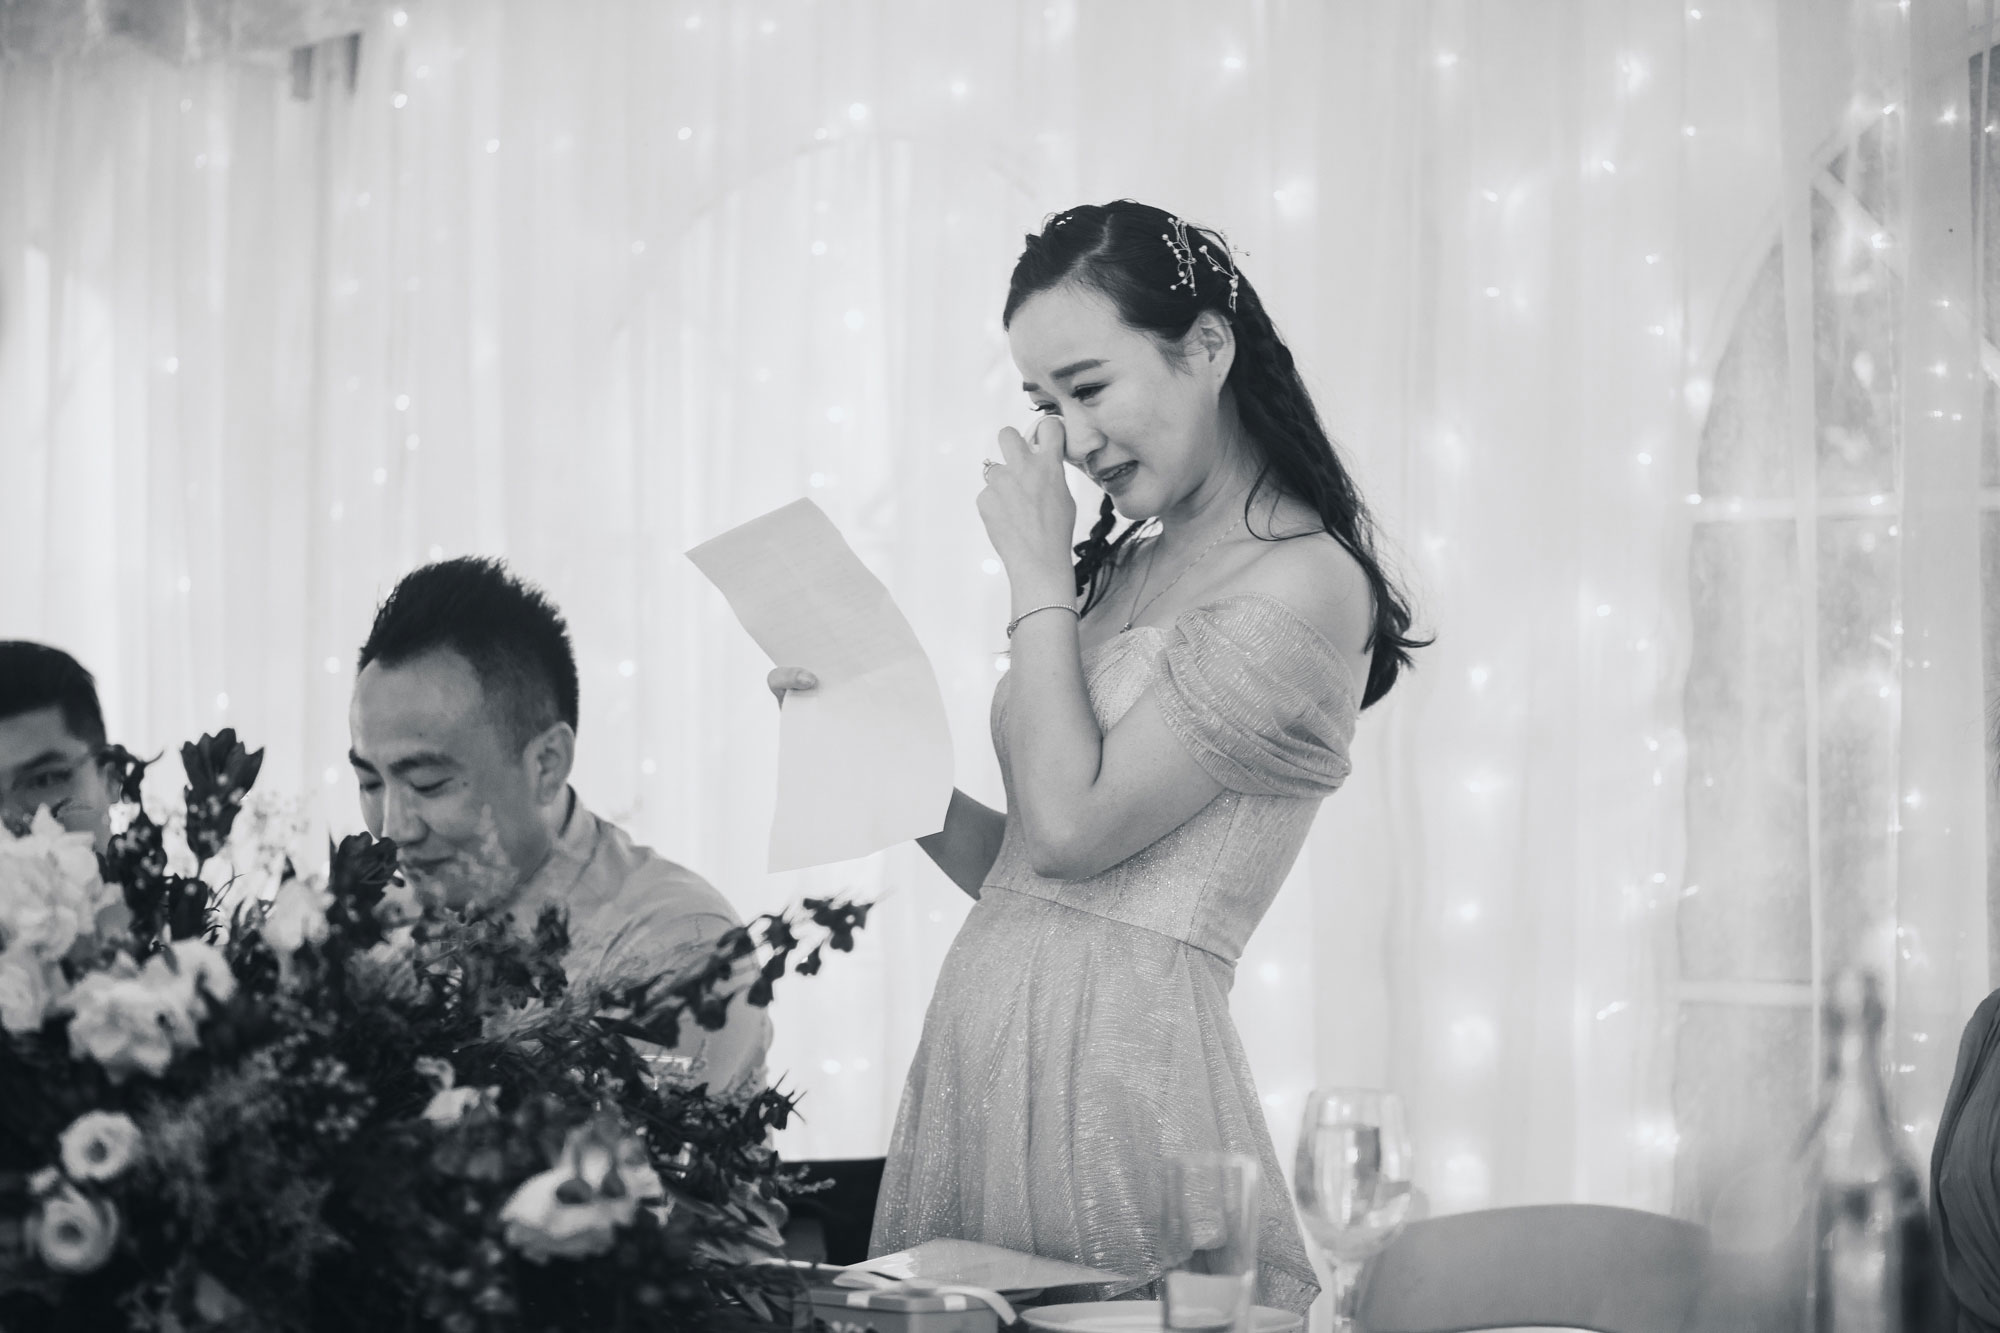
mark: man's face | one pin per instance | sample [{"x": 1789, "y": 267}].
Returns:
[
  {"x": 43, "y": 764},
  {"x": 441, "y": 777}
]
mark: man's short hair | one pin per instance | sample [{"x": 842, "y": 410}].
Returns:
[
  {"x": 34, "y": 676},
  {"x": 511, "y": 633}
]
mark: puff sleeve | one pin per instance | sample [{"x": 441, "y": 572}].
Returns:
[{"x": 1263, "y": 703}]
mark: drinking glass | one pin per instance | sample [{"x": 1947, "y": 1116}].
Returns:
[
  {"x": 1208, "y": 1239},
  {"x": 663, "y": 1070},
  {"x": 1352, "y": 1180}
]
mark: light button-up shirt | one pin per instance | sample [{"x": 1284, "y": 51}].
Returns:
[{"x": 634, "y": 914}]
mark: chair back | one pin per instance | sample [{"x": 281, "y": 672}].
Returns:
[
  {"x": 831, "y": 1224},
  {"x": 1615, "y": 1270}
]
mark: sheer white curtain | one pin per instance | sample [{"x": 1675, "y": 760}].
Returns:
[{"x": 582, "y": 284}]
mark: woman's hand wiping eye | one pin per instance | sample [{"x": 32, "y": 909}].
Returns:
[{"x": 1028, "y": 510}]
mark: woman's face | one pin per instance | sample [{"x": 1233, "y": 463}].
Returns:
[{"x": 1143, "y": 426}]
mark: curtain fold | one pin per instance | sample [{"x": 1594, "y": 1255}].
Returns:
[{"x": 583, "y": 284}]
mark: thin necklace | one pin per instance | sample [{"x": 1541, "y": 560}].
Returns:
[{"x": 1139, "y": 608}]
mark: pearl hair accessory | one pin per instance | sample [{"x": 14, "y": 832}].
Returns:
[{"x": 1184, "y": 255}]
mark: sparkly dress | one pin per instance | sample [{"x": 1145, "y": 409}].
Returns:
[{"x": 1080, "y": 1033}]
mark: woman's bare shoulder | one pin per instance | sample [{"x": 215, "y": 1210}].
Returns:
[{"x": 1318, "y": 579}]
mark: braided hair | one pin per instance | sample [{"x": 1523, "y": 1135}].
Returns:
[{"x": 1126, "y": 251}]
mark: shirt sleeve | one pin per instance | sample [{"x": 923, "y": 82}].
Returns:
[{"x": 1263, "y": 703}]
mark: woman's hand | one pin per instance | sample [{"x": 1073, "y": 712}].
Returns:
[
  {"x": 790, "y": 680},
  {"x": 1030, "y": 515}
]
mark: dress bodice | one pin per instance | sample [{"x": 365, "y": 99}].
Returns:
[{"x": 1267, "y": 707}]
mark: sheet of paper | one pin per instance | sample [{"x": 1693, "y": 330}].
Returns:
[
  {"x": 977, "y": 1264},
  {"x": 864, "y": 761}
]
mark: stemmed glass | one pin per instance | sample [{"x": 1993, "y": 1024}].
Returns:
[{"x": 1352, "y": 1180}]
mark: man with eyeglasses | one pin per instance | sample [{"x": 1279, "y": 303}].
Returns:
[{"x": 52, "y": 750}]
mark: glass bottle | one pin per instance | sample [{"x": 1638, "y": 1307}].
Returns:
[{"x": 1871, "y": 1245}]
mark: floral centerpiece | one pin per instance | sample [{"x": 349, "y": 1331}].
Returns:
[{"x": 340, "y": 1109}]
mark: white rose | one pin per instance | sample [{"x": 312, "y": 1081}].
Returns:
[
  {"x": 543, "y": 1226},
  {"x": 99, "y": 1145},
  {"x": 31, "y": 912},
  {"x": 126, "y": 1024},
  {"x": 74, "y": 1232},
  {"x": 449, "y": 1105},
  {"x": 45, "y": 924},
  {"x": 49, "y": 887},
  {"x": 565, "y": 1213},
  {"x": 189, "y": 969},
  {"x": 74, "y": 856},
  {"x": 25, "y": 992},
  {"x": 296, "y": 916}
]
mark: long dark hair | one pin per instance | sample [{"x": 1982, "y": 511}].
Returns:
[{"x": 1127, "y": 251}]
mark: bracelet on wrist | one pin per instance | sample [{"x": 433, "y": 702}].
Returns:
[{"x": 1015, "y": 623}]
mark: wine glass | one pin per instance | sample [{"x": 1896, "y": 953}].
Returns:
[{"x": 1352, "y": 1180}]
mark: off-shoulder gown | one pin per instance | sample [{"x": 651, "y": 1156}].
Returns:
[{"x": 1080, "y": 1034}]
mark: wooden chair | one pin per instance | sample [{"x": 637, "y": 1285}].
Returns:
[{"x": 1615, "y": 1270}]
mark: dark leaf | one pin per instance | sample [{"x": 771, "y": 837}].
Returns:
[
  {"x": 187, "y": 909},
  {"x": 128, "y": 771},
  {"x": 778, "y": 934},
  {"x": 220, "y": 773},
  {"x": 359, "y": 871}
]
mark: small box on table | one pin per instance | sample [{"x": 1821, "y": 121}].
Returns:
[{"x": 839, "y": 1310}]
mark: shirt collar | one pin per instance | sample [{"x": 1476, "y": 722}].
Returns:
[{"x": 574, "y": 846}]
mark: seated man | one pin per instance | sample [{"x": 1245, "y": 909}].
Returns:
[
  {"x": 463, "y": 728},
  {"x": 52, "y": 741}
]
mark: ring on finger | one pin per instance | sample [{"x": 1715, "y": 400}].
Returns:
[{"x": 986, "y": 467}]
